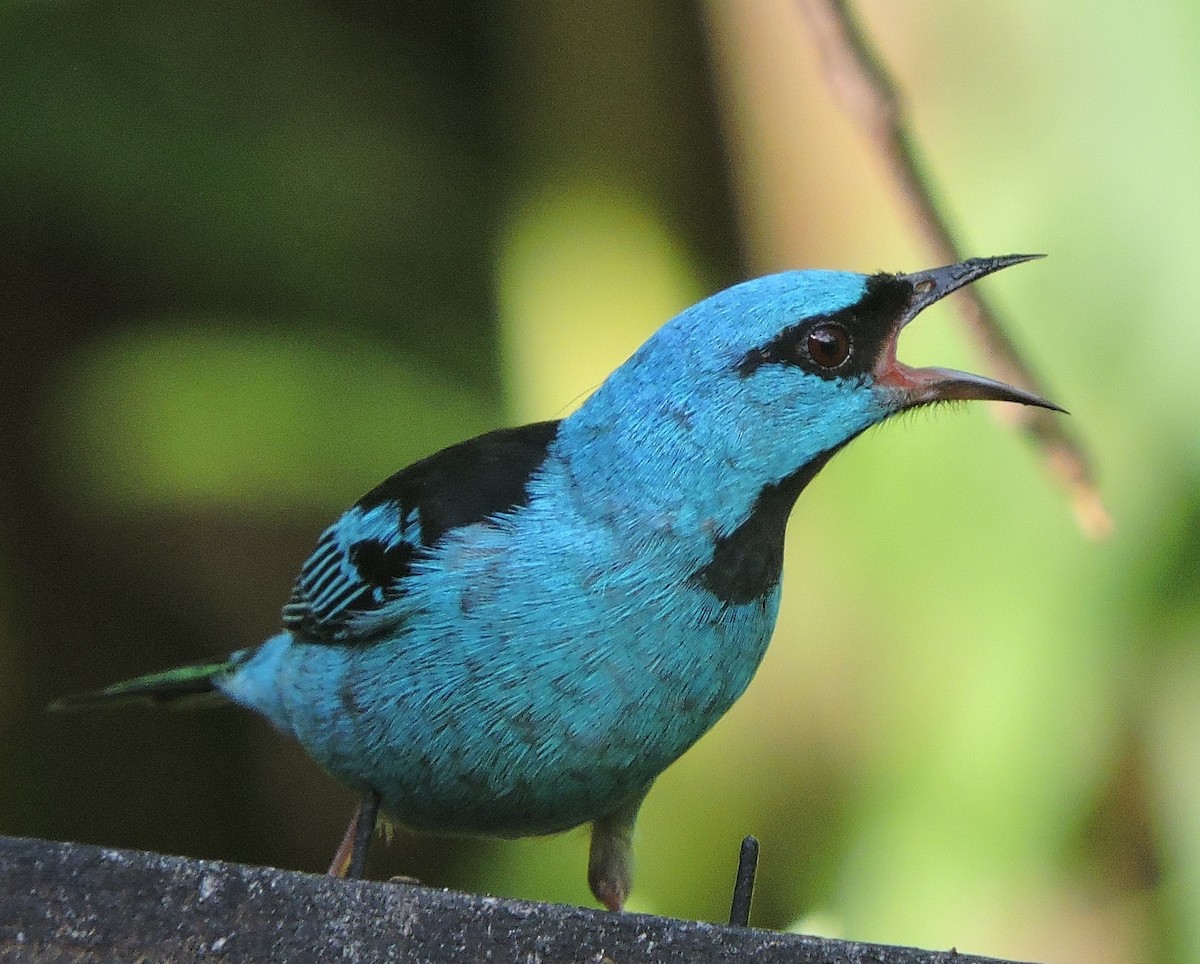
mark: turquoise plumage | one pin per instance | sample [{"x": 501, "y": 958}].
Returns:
[{"x": 518, "y": 634}]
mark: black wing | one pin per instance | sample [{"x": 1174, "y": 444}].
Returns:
[{"x": 361, "y": 562}]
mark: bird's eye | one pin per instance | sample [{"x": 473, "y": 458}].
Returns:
[{"x": 828, "y": 345}]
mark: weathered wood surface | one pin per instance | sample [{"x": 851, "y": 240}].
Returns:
[{"x": 70, "y": 902}]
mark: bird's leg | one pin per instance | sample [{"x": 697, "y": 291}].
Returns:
[
  {"x": 368, "y": 813},
  {"x": 610, "y": 862},
  {"x": 351, "y": 857}
]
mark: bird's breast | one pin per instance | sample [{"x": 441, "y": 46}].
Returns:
[{"x": 544, "y": 675}]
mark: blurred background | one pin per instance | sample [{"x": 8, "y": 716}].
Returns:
[{"x": 256, "y": 256}]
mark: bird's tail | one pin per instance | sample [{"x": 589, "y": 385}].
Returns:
[{"x": 184, "y": 685}]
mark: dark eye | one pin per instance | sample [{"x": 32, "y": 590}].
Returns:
[{"x": 828, "y": 345}]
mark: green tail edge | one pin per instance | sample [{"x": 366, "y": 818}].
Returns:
[{"x": 182, "y": 685}]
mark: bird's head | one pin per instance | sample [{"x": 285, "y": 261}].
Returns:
[
  {"x": 820, "y": 346},
  {"x": 775, "y": 374}
]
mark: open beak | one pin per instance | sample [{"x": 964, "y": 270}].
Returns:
[{"x": 922, "y": 386}]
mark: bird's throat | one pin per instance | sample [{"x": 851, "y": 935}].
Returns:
[{"x": 747, "y": 563}]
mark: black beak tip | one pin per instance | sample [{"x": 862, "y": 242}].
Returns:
[{"x": 1049, "y": 406}]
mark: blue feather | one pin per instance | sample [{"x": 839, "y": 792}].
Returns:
[{"x": 516, "y": 635}]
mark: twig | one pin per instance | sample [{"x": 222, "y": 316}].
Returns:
[
  {"x": 862, "y": 82},
  {"x": 743, "y": 885}
]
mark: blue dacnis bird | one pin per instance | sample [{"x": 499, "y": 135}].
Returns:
[{"x": 516, "y": 635}]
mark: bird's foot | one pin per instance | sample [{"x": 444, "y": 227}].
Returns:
[{"x": 611, "y": 893}]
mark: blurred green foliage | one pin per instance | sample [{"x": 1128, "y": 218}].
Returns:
[{"x": 254, "y": 257}]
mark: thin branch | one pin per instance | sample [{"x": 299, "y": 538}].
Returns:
[{"x": 867, "y": 90}]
